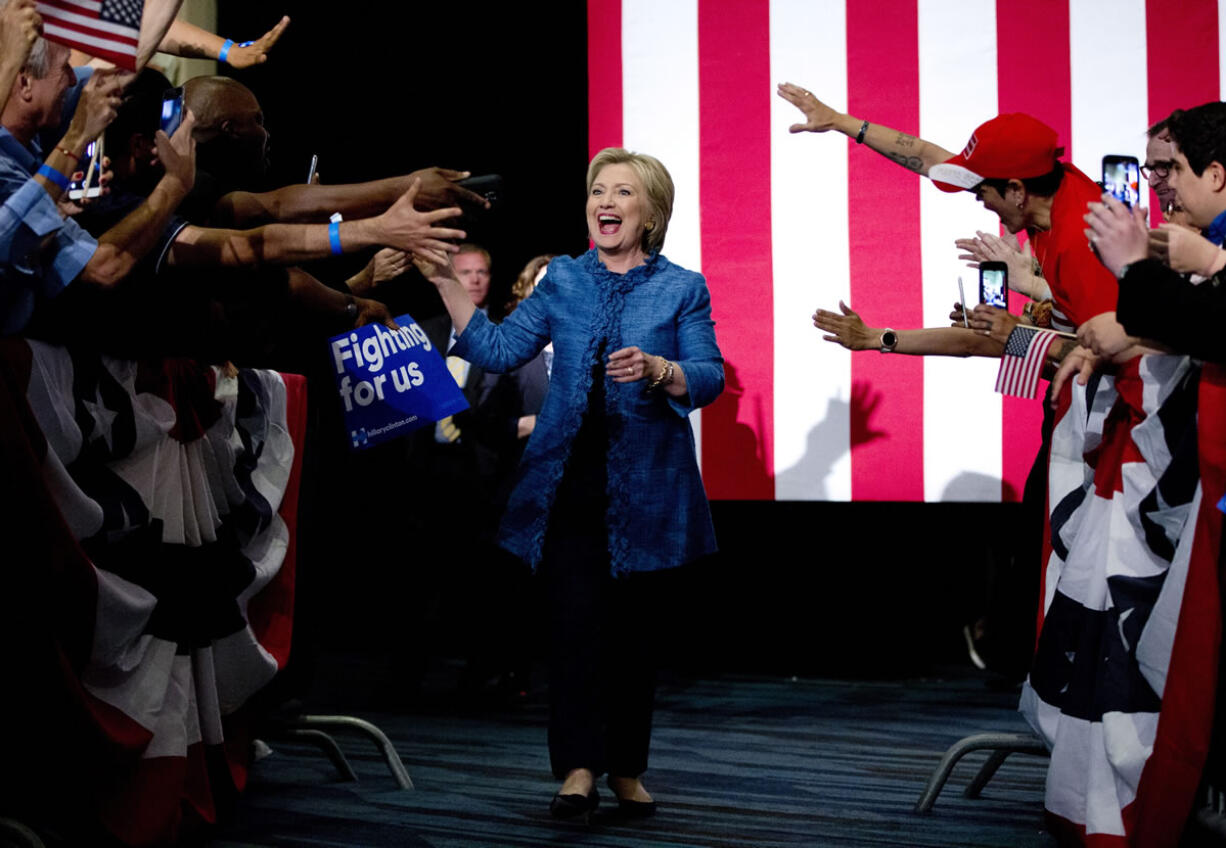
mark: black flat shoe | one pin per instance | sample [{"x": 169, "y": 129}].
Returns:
[
  {"x": 635, "y": 809},
  {"x": 574, "y": 806}
]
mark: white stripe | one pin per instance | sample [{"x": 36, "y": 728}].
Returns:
[
  {"x": 660, "y": 115},
  {"x": 962, "y": 411},
  {"x": 54, "y": 33},
  {"x": 809, "y": 237},
  {"x": 1109, "y": 80},
  {"x": 95, "y": 24}
]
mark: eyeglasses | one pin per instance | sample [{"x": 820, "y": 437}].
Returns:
[{"x": 1161, "y": 170}]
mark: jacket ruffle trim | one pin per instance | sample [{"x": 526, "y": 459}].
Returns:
[{"x": 605, "y": 329}]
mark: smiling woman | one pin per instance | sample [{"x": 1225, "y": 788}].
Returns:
[{"x": 608, "y": 488}]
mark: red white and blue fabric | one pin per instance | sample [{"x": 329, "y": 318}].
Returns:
[
  {"x": 177, "y": 486},
  {"x": 1122, "y": 686},
  {"x": 781, "y": 224},
  {"x": 109, "y": 29}
]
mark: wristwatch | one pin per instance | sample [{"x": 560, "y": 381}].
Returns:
[
  {"x": 889, "y": 340},
  {"x": 351, "y": 308}
]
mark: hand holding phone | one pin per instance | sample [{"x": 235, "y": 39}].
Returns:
[
  {"x": 994, "y": 284},
  {"x": 1122, "y": 179},
  {"x": 172, "y": 110},
  {"x": 489, "y": 187}
]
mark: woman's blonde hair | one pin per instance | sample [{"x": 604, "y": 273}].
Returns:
[{"x": 656, "y": 183}]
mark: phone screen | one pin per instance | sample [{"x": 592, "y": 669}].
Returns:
[
  {"x": 172, "y": 110},
  {"x": 994, "y": 284},
  {"x": 1122, "y": 179},
  {"x": 77, "y": 188}
]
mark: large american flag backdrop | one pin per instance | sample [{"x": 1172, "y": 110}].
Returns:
[{"x": 781, "y": 224}]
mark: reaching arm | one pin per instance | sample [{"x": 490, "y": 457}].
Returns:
[
  {"x": 912, "y": 153},
  {"x": 190, "y": 41},
  {"x": 310, "y": 294},
  {"x": 122, "y": 246},
  {"x": 401, "y": 226},
  {"x": 311, "y": 203},
  {"x": 852, "y": 333},
  {"x": 154, "y": 24}
]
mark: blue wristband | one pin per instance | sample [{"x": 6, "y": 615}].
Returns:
[
  {"x": 54, "y": 175},
  {"x": 334, "y": 238},
  {"x": 225, "y": 50}
]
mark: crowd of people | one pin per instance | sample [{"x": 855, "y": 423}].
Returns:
[
  {"x": 1120, "y": 554},
  {"x": 576, "y": 435},
  {"x": 575, "y": 458}
]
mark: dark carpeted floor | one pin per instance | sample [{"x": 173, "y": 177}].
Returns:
[{"x": 736, "y": 761}]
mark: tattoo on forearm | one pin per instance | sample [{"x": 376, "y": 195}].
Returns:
[
  {"x": 904, "y": 140},
  {"x": 194, "y": 51},
  {"x": 911, "y": 163}
]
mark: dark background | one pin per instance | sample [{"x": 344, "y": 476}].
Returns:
[{"x": 378, "y": 89}]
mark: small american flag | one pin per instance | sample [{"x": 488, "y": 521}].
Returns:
[
  {"x": 1021, "y": 365},
  {"x": 109, "y": 29}
]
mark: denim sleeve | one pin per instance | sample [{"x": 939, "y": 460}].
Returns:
[
  {"x": 75, "y": 248},
  {"x": 699, "y": 355},
  {"x": 26, "y": 218},
  {"x": 503, "y": 347}
]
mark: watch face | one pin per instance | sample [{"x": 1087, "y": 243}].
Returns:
[{"x": 889, "y": 338}]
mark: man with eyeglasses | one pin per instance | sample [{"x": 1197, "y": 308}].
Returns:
[
  {"x": 1156, "y": 301},
  {"x": 1159, "y": 156}
]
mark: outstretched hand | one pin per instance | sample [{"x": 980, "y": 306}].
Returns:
[
  {"x": 404, "y": 227},
  {"x": 256, "y": 53},
  {"x": 847, "y": 329},
  {"x": 441, "y": 187},
  {"x": 988, "y": 247},
  {"x": 818, "y": 116}
]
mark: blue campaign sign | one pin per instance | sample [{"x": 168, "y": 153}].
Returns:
[{"x": 391, "y": 382}]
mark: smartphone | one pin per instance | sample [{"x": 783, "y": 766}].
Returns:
[
  {"x": 311, "y": 170},
  {"x": 994, "y": 284},
  {"x": 172, "y": 110},
  {"x": 489, "y": 187},
  {"x": 962, "y": 301},
  {"x": 77, "y": 189},
  {"x": 1122, "y": 179}
]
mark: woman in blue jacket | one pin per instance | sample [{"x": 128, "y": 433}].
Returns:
[{"x": 608, "y": 490}]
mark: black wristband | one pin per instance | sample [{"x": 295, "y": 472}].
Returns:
[{"x": 860, "y": 135}]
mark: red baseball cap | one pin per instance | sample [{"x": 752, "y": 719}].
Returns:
[{"x": 1010, "y": 146}]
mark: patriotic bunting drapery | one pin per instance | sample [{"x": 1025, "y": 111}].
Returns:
[{"x": 165, "y": 497}]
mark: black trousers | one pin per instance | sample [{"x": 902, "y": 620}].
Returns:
[{"x": 602, "y": 673}]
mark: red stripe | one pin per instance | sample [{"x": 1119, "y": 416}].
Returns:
[
  {"x": 604, "y": 75},
  {"x": 89, "y": 29},
  {"x": 734, "y": 88},
  {"x": 1181, "y": 40},
  {"x": 884, "y": 230},
  {"x": 1032, "y": 76}
]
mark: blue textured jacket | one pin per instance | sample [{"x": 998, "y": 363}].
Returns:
[{"x": 658, "y": 515}]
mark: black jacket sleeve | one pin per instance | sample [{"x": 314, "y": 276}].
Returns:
[{"x": 1160, "y": 304}]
